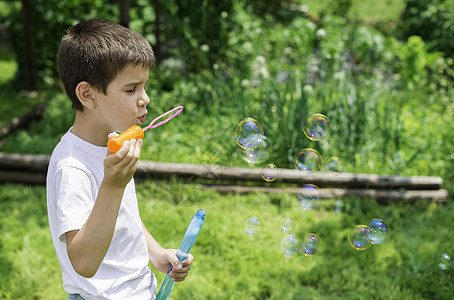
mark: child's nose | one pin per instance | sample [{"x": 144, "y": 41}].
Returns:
[{"x": 144, "y": 99}]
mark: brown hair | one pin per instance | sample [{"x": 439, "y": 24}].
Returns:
[{"x": 95, "y": 51}]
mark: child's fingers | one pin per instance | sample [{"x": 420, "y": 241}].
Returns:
[
  {"x": 188, "y": 260},
  {"x": 181, "y": 272},
  {"x": 128, "y": 155},
  {"x": 180, "y": 275},
  {"x": 134, "y": 153}
]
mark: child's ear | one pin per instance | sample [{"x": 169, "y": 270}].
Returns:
[{"x": 84, "y": 91}]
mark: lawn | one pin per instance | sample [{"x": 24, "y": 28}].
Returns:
[
  {"x": 230, "y": 265},
  {"x": 390, "y": 106}
]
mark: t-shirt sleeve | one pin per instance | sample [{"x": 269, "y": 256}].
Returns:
[{"x": 75, "y": 199}]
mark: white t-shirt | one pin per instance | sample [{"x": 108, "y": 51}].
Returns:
[{"x": 73, "y": 179}]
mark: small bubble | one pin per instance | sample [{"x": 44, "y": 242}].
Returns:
[
  {"x": 247, "y": 133},
  {"x": 307, "y": 160},
  {"x": 316, "y": 127},
  {"x": 309, "y": 195},
  {"x": 310, "y": 244},
  {"x": 338, "y": 206},
  {"x": 252, "y": 226},
  {"x": 358, "y": 237},
  {"x": 445, "y": 262},
  {"x": 379, "y": 231},
  {"x": 333, "y": 166},
  {"x": 286, "y": 224},
  {"x": 270, "y": 173},
  {"x": 259, "y": 154},
  {"x": 289, "y": 245}
]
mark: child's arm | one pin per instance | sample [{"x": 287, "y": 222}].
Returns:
[
  {"x": 162, "y": 258},
  {"x": 88, "y": 246}
]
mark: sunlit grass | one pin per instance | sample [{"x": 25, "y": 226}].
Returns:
[
  {"x": 229, "y": 265},
  {"x": 369, "y": 11}
]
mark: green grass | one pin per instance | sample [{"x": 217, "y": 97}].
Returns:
[
  {"x": 229, "y": 265},
  {"x": 369, "y": 11},
  {"x": 13, "y": 103},
  {"x": 389, "y": 115}
]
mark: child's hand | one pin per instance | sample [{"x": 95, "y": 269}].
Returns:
[
  {"x": 119, "y": 167},
  {"x": 180, "y": 272},
  {"x": 180, "y": 269}
]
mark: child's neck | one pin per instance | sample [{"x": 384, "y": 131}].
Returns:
[{"x": 85, "y": 128}]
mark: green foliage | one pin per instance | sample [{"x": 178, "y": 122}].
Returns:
[
  {"x": 43, "y": 136},
  {"x": 406, "y": 267},
  {"x": 385, "y": 99},
  {"x": 50, "y": 19},
  {"x": 432, "y": 20},
  {"x": 390, "y": 105}
]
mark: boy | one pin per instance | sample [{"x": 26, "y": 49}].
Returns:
[{"x": 101, "y": 243}]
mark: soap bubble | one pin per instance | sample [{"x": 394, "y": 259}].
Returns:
[
  {"x": 358, "y": 237},
  {"x": 260, "y": 153},
  {"x": 338, "y": 206},
  {"x": 247, "y": 133},
  {"x": 270, "y": 173},
  {"x": 310, "y": 244},
  {"x": 316, "y": 127},
  {"x": 252, "y": 226},
  {"x": 308, "y": 196},
  {"x": 445, "y": 262},
  {"x": 308, "y": 160},
  {"x": 289, "y": 245},
  {"x": 379, "y": 231},
  {"x": 286, "y": 224},
  {"x": 333, "y": 166}
]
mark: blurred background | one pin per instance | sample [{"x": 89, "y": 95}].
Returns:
[{"x": 381, "y": 71}]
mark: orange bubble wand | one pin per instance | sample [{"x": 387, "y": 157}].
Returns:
[{"x": 137, "y": 132}]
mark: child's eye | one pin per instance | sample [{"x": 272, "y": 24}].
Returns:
[{"x": 131, "y": 90}]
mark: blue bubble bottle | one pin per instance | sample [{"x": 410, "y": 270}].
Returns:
[{"x": 183, "y": 251}]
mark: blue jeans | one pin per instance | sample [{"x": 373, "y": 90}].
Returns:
[{"x": 74, "y": 297}]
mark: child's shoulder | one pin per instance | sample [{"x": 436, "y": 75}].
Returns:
[{"x": 72, "y": 152}]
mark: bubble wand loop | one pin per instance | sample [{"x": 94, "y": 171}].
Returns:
[
  {"x": 182, "y": 252},
  {"x": 136, "y": 132}
]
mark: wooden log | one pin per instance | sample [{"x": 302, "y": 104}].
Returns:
[
  {"x": 325, "y": 193},
  {"x": 18, "y": 122},
  {"x": 148, "y": 169},
  {"x": 14, "y": 161},
  {"x": 214, "y": 172},
  {"x": 23, "y": 177},
  {"x": 330, "y": 193}
]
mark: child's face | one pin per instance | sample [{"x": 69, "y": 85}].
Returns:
[{"x": 125, "y": 101}]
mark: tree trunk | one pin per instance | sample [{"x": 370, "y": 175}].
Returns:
[
  {"x": 124, "y": 13},
  {"x": 157, "y": 30},
  {"x": 29, "y": 51}
]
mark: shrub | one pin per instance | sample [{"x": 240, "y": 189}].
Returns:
[{"x": 432, "y": 20}]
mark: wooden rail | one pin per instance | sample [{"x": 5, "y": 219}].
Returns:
[
  {"x": 32, "y": 169},
  {"x": 21, "y": 121}
]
